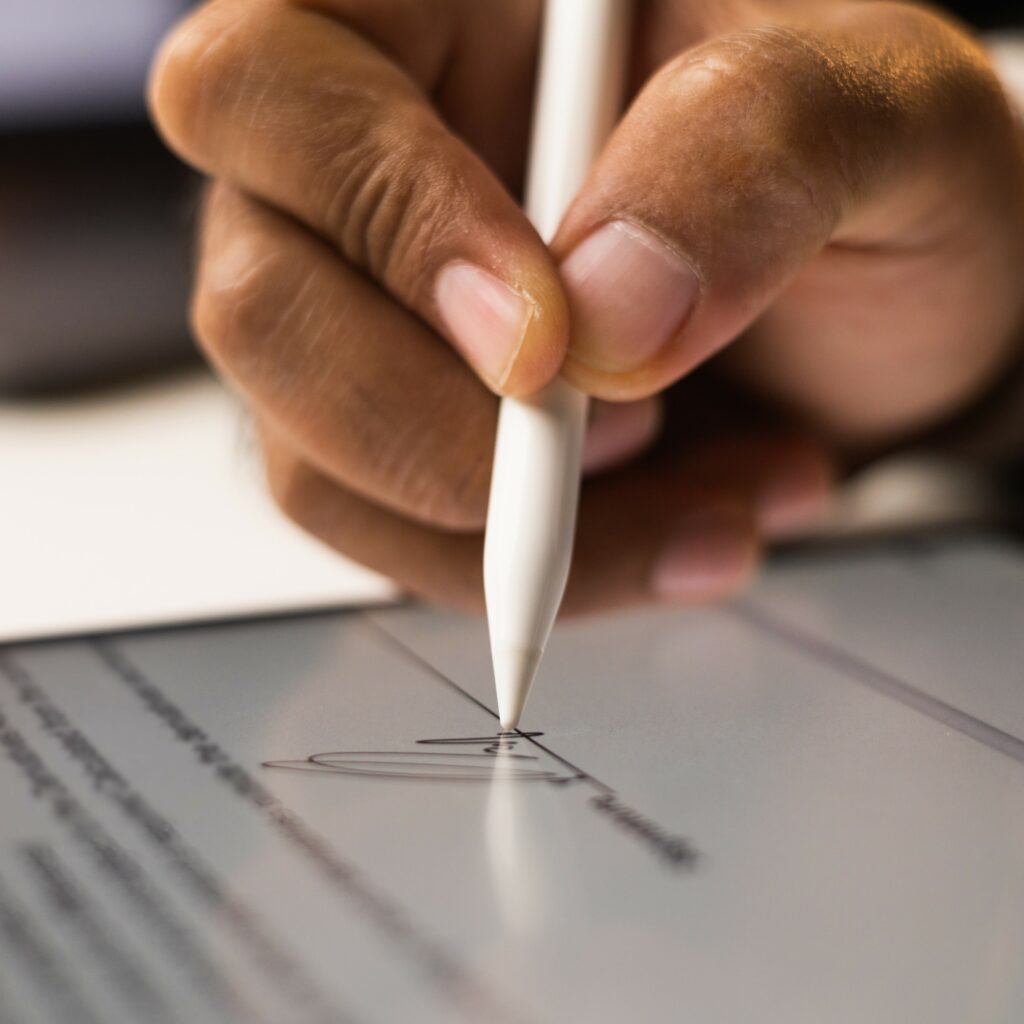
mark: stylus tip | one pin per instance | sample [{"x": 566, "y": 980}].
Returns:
[{"x": 514, "y": 669}]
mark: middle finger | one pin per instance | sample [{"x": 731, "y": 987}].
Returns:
[{"x": 358, "y": 384}]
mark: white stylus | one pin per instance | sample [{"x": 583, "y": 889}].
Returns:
[{"x": 531, "y": 518}]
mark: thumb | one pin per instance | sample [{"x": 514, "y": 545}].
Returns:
[{"x": 740, "y": 161}]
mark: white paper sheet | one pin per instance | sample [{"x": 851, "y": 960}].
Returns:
[
  {"x": 145, "y": 506},
  {"x": 793, "y": 809}
]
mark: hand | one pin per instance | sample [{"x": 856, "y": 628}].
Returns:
[{"x": 835, "y": 191}]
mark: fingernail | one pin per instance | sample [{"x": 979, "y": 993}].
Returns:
[
  {"x": 711, "y": 554},
  {"x": 629, "y": 293},
  {"x": 617, "y": 431},
  {"x": 486, "y": 318}
]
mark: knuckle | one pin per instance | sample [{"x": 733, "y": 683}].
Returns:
[
  {"x": 193, "y": 68},
  {"x": 768, "y": 82},
  {"x": 755, "y": 61},
  {"x": 771, "y": 95},
  {"x": 387, "y": 194},
  {"x": 242, "y": 296}
]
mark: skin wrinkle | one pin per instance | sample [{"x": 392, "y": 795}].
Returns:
[
  {"x": 417, "y": 222},
  {"x": 254, "y": 81},
  {"x": 356, "y": 183},
  {"x": 338, "y": 132},
  {"x": 382, "y": 212},
  {"x": 370, "y": 236},
  {"x": 370, "y": 204},
  {"x": 315, "y": 327},
  {"x": 415, "y": 209},
  {"x": 264, "y": 79}
]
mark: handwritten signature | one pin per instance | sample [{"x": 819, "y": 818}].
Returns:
[{"x": 496, "y": 759}]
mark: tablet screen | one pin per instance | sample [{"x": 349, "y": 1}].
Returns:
[{"x": 804, "y": 806}]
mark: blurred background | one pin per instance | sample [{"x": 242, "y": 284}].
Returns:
[{"x": 94, "y": 213}]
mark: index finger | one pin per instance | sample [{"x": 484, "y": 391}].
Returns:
[{"x": 296, "y": 108}]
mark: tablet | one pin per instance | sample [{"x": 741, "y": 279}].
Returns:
[{"x": 804, "y": 806}]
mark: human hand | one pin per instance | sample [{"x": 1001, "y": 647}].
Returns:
[{"x": 836, "y": 189}]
